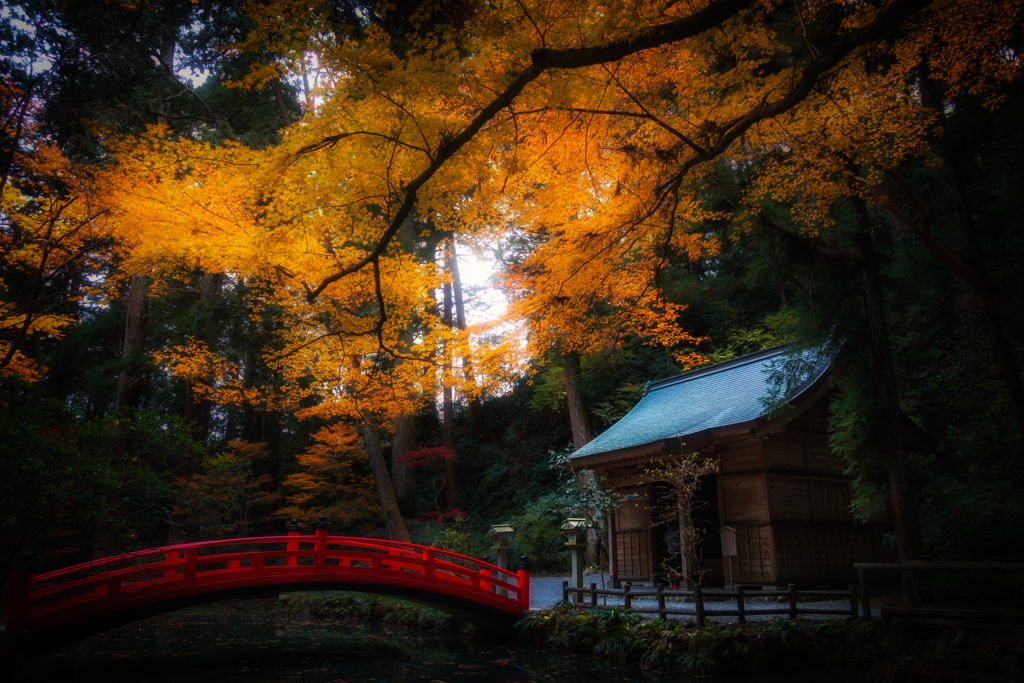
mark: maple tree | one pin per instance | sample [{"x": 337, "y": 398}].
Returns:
[{"x": 334, "y": 482}]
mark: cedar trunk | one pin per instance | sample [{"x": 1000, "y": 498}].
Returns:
[
  {"x": 129, "y": 383},
  {"x": 579, "y": 421},
  {"x": 451, "y": 483},
  {"x": 892, "y": 429},
  {"x": 451, "y": 258},
  {"x": 402, "y": 477}
]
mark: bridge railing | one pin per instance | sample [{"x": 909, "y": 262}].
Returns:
[{"x": 101, "y": 586}]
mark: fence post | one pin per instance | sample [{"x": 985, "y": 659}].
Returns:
[
  {"x": 661, "y": 600},
  {"x": 740, "y": 607},
  {"x": 293, "y": 530},
  {"x": 524, "y": 582},
  {"x": 593, "y": 595},
  {"x": 320, "y": 545},
  {"x": 698, "y": 600},
  {"x": 792, "y": 601},
  {"x": 565, "y": 591},
  {"x": 865, "y": 599},
  {"x": 627, "y": 599},
  {"x": 853, "y": 601}
]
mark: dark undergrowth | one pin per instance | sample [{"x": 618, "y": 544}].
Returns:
[{"x": 886, "y": 652}]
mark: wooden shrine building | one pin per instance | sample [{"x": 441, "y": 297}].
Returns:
[{"x": 776, "y": 512}]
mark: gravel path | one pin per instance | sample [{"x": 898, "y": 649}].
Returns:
[{"x": 547, "y": 590}]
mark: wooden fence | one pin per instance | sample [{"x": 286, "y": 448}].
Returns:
[
  {"x": 914, "y": 567},
  {"x": 699, "y": 611}
]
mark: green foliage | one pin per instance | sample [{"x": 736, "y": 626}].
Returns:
[
  {"x": 620, "y": 402},
  {"x": 772, "y": 330},
  {"x": 69, "y": 484},
  {"x": 48, "y": 485},
  {"x": 539, "y": 536},
  {"x": 458, "y": 537},
  {"x": 548, "y": 389}
]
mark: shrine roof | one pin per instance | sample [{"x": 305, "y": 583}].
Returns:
[{"x": 729, "y": 396}]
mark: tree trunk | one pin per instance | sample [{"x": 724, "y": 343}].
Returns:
[
  {"x": 579, "y": 421},
  {"x": 393, "y": 521},
  {"x": 885, "y": 382},
  {"x": 451, "y": 258},
  {"x": 403, "y": 477},
  {"x": 129, "y": 383},
  {"x": 451, "y": 484}
]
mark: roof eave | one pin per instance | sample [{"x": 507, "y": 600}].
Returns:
[
  {"x": 758, "y": 427},
  {"x": 670, "y": 446},
  {"x": 664, "y": 446}
]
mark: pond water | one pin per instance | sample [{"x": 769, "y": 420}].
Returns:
[{"x": 245, "y": 641}]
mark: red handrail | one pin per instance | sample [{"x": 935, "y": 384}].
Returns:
[{"x": 65, "y": 596}]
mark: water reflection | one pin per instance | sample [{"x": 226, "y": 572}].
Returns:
[{"x": 246, "y": 641}]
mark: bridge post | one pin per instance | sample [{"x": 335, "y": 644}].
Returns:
[
  {"x": 320, "y": 545},
  {"x": 188, "y": 574},
  {"x": 485, "y": 585},
  {"x": 293, "y": 530},
  {"x": 428, "y": 564},
  {"x": 22, "y": 579},
  {"x": 523, "y": 582},
  {"x": 172, "y": 574}
]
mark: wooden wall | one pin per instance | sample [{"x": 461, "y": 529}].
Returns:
[
  {"x": 826, "y": 552},
  {"x": 788, "y": 500},
  {"x": 786, "y": 496}
]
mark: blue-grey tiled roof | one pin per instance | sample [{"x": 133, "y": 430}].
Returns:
[{"x": 710, "y": 398}]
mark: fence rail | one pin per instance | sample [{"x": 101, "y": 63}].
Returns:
[{"x": 699, "y": 611}]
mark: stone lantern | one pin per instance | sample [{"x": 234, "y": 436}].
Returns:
[
  {"x": 501, "y": 532},
  {"x": 576, "y": 533}
]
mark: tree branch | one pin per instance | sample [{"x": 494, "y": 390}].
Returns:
[{"x": 541, "y": 60}]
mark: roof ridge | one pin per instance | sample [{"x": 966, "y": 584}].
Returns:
[{"x": 745, "y": 359}]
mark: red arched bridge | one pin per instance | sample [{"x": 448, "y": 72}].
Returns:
[{"x": 69, "y": 604}]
